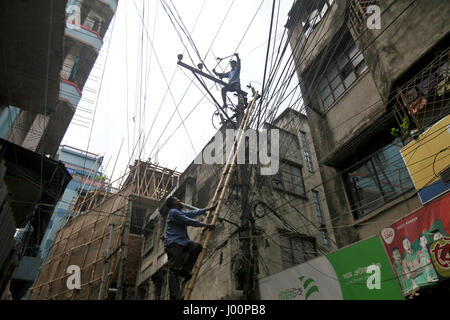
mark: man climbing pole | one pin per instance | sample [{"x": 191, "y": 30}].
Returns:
[
  {"x": 233, "y": 76},
  {"x": 181, "y": 251}
]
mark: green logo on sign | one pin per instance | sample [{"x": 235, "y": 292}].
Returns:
[{"x": 306, "y": 284}]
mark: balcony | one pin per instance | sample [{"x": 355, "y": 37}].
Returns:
[
  {"x": 111, "y": 3},
  {"x": 69, "y": 93},
  {"x": 425, "y": 98},
  {"x": 357, "y": 20},
  {"x": 84, "y": 35}
]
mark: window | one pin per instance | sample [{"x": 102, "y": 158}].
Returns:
[
  {"x": 341, "y": 73},
  {"x": 306, "y": 152},
  {"x": 137, "y": 220},
  {"x": 149, "y": 233},
  {"x": 377, "y": 181},
  {"x": 296, "y": 249},
  {"x": 317, "y": 207},
  {"x": 323, "y": 233},
  {"x": 290, "y": 179},
  {"x": 315, "y": 15},
  {"x": 358, "y": 14},
  {"x": 320, "y": 219}
]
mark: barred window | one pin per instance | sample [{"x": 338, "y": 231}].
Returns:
[
  {"x": 290, "y": 179},
  {"x": 358, "y": 14},
  {"x": 296, "y": 249},
  {"x": 317, "y": 207},
  {"x": 315, "y": 15},
  {"x": 306, "y": 152}
]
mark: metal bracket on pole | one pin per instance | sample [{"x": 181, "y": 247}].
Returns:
[{"x": 197, "y": 72}]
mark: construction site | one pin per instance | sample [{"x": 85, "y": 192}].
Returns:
[{"x": 313, "y": 167}]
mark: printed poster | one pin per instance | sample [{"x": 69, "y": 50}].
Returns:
[{"x": 407, "y": 244}]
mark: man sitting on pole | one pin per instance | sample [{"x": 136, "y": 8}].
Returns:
[
  {"x": 233, "y": 76},
  {"x": 181, "y": 251}
]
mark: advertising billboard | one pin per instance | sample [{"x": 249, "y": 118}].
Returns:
[
  {"x": 358, "y": 272},
  {"x": 426, "y": 157},
  {"x": 407, "y": 243}
]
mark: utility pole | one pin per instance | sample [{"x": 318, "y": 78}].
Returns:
[
  {"x": 247, "y": 251},
  {"x": 247, "y": 246}
]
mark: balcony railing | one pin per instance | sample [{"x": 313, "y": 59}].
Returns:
[
  {"x": 84, "y": 35},
  {"x": 69, "y": 93},
  {"x": 357, "y": 20},
  {"x": 425, "y": 98}
]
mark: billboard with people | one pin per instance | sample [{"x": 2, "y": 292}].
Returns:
[{"x": 407, "y": 243}]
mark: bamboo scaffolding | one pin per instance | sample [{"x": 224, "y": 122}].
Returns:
[
  {"x": 225, "y": 180},
  {"x": 82, "y": 242}
]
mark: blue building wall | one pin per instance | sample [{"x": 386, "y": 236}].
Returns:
[
  {"x": 7, "y": 118},
  {"x": 81, "y": 166}
]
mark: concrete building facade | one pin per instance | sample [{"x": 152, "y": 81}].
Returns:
[
  {"x": 291, "y": 218},
  {"x": 70, "y": 50},
  {"x": 359, "y": 79}
]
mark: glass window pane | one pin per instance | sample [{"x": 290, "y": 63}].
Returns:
[
  {"x": 328, "y": 101},
  {"x": 308, "y": 32},
  {"x": 335, "y": 82},
  {"x": 361, "y": 68},
  {"x": 291, "y": 179},
  {"x": 338, "y": 91},
  {"x": 324, "y": 10},
  {"x": 332, "y": 73},
  {"x": 364, "y": 188},
  {"x": 378, "y": 181},
  {"x": 342, "y": 61},
  {"x": 317, "y": 207},
  {"x": 357, "y": 60},
  {"x": 392, "y": 172},
  {"x": 325, "y": 92},
  {"x": 323, "y": 84},
  {"x": 314, "y": 18},
  {"x": 353, "y": 51},
  {"x": 350, "y": 79}
]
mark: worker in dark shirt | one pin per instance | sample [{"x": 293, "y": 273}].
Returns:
[
  {"x": 234, "y": 82},
  {"x": 181, "y": 251}
]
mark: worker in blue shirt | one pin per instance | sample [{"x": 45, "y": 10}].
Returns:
[
  {"x": 234, "y": 82},
  {"x": 181, "y": 251}
]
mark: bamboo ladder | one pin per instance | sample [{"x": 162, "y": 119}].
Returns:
[{"x": 221, "y": 189}]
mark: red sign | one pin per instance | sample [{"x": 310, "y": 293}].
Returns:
[
  {"x": 440, "y": 256},
  {"x": 407, "y": 241}
]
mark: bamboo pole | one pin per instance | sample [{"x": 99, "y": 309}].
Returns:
[
  {"x": 101, "y": 291},
  {"x": 238, "y": 142},
  {"x": 124, "y": 245}
]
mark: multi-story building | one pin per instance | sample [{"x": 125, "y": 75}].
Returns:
[
  {"x": 40, "y": 124},
  {"x": 291, "y": 221},
  {"x": 31, "y": 38},
  {"x": 50, "y": 48},
  {"x": 374, "y": 75},
  {"x": 104, "y": 236},
  {"x": 85, "y": 168}
]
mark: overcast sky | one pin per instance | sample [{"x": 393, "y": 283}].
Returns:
[{"x": 141, "y": 61}]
